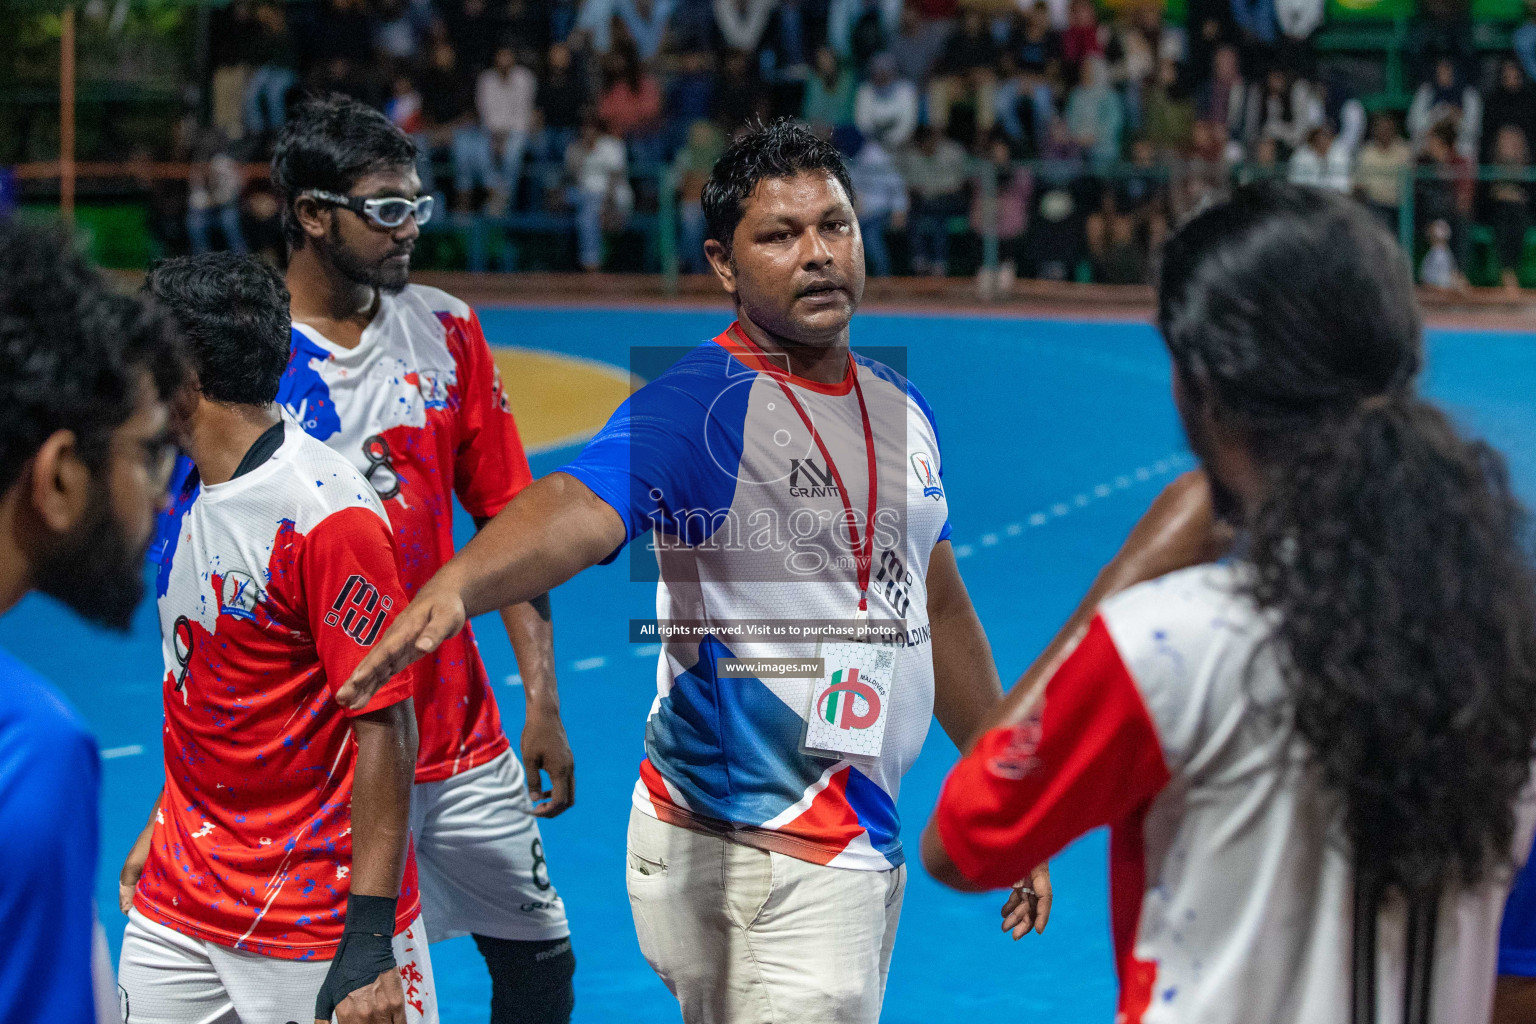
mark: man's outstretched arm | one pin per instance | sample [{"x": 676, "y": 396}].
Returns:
[{"x": 552, "y": 530}]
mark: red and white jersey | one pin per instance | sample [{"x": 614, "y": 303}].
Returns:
[
  {"x": 1231, "y": 893},
  {"x": 417, "y": 407},
  {"x": 272, "y": 587}
]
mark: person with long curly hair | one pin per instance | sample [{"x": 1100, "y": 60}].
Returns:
[{"x": 1303, "y": 695}]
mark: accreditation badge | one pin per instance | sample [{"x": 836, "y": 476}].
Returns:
[{"x": 851, "y": 702}]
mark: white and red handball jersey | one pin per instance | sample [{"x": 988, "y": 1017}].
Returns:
[
  {"x": 1231, "y": 888},
  {"x": 271, "y": 588},
  {"x": 417, "y": 407},
  {"x": 750, "y": 525}
]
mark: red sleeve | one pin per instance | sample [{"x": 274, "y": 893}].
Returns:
[
  {"x": 1088, "y": 756},
  {"x": 351, "y": 590},
  {"x": 490, "y": 466}
]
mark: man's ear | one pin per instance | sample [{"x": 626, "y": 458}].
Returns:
[
  {"x": 313, "y": 217},
  {"x": 723, "y": 266},
  {"x": 59, "y": 482}
]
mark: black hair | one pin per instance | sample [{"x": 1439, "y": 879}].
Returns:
[
  {"x": 232, "y": 312},
  {"x": 328, "y": 144},
  {"x": 1388, "y": 549},
  {"x": 72, "y": 350},
  {"x": 779, "y": 149}
]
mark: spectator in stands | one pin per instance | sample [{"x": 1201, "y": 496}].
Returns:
[
  {"x": 1053, "y": 242},
  {"x": 1257, "y": 29},
  {"x": 404, "y": 105},
  {"x": 1131, "y": 222},
  {"x": 449, "y": 124},
  {"x": 1525, "y": 41},
  {"x": 1445, "y": 99},
  {"x": 916, "y": 47},
  {"x": 345, "y": 30},
  {"x": 1325, "y": 161},
  {"x": 745, "y": 97},
  {"x": 934, "y": 166},
  {"x": 1170, "y": 113},
  {"x": 643, "y": 21},
  {"x": 1291, "y": 108},
  {"x": 1081, "y": 39},
  {"x": 829, "y": 92},
  {"x": 691, "y": 168},
  {"x": 1509, "y": 202},
  {"x": 885, "y": 107},
  {"x": 859, "y": 29},
  {"x": 562, "y": 96},
  {"x": 1442, "y": 29},
  {"x": 1380, "y": 168},
  {"x": 504, "y": 97},
  {"x": 398, "y": 31},
  {"x": 230, "y": 34},
  {"x": 965, "y": 75},
  {"x": 1510, "y": 103},
  {"x": 1025, "y": 99},
  {"x": 796, "y": 29},
  {"x": 1224, "y": 99},
  {"x": 598, "y": 169},
  {"x": 741, "y": 22},
  {"x": 880, "y": 193},
  {"x": 1015, "y": 188},
  {"x": 1263, "y": 164},
  {"x": 1445, "y": 188},
  {"x": 690, "y": 96},
  {"x": 214, "y": 186},
  {"x": 1094, "y": 112},
  {"x": 1440, "y": 269},
  {"x": 630, "y": 104},
  {"x": 273, "y": 75},
  {"x": 1136, "y": 44}
]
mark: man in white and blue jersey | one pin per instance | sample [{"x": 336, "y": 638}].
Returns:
[{"x": 793, "y": 488}]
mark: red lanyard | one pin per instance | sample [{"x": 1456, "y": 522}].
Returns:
[{"x": 863, "y": 549}]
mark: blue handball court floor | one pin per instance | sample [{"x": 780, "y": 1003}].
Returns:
[{"x": 1056, "y": 435}]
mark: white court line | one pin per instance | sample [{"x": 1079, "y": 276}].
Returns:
[
  {"x": 131, "y": 750},
  {"x": 513, "y": 680},
  {"x": 1141, "y": 474},
  {"x": 587, "y": 664},
  {"x": 647, "y": 650}
]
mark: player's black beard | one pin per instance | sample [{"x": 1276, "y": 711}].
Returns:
[
  {"x": 388, "y": 278},
  {"x": 95, "y": 570}
]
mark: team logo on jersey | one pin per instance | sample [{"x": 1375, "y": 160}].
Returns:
[
  {"x": 838, "y": 703},
  {"x": 239, "y": 596},
  {"x": 808, "y": 480},
  {"x": 433, "y": 388},
  {"x": 360, "y": 610},
  {"x": 923, "y": 467}
]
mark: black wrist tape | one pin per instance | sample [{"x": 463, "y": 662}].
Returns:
[{"x": 366, "y": 951}]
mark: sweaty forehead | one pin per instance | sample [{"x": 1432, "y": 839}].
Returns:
[
  {"x": 805, "y": 196},
  {"x": 391, "y": 181}
]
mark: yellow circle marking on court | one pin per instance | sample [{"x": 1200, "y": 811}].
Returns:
[{"x": 558, "y": 399}]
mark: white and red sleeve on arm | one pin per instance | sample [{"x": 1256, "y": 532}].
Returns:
[
  {"x": 351, "y": 592},
  {"x": 490, "y": 465},
  {"x": 1087, "y": 756}
]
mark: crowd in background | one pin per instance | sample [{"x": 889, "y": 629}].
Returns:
[{"x": 554, "y": 111}]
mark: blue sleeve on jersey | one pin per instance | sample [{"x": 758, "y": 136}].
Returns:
[
  {"x": 1517, "y": 935},
  {"x": 668, "y": 456},
  {"x": 933, "y": 423},
  {"x": 50, "y": 779}
]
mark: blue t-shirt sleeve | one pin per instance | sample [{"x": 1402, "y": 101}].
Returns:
[
  {"x": 1517, "y": 935},
  {"x": 667, "y": 458},
  {"x": 50, "y": 781}
]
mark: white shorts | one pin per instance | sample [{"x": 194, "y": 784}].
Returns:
[
  {"x": 744, "y": 936},
  {"x": 480, "y": 858},
  {"x": 165, "y": 977}
]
